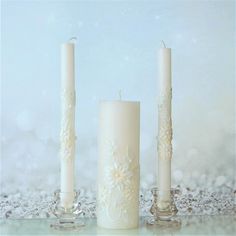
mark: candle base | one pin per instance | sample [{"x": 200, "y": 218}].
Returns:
[
  {"x": 163, "y": 210},
  {"x": 67, "y": 218}
]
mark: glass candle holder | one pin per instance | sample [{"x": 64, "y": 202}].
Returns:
[
  {"x": 67, "y": 216},
  {"x": 163, "y": 209}
]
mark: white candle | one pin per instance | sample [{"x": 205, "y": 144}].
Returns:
[
  {"x": 67, "y": 148},
  {"x": 118, "y": 166},
  {"x": 165, "y": 126}
]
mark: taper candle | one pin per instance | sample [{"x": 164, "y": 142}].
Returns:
[
  {"x": 165, "y": 126},
  {"x": 67, "y": 147}
]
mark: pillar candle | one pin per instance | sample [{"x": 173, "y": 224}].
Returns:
[
  {"x": 164, "y": 126},
  {"x": 67, "y": 142},
  {"x": 118, "y": 165}
]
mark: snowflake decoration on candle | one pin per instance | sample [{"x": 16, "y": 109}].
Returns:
[
  {"x": 119, "y": 176},
  {"x": 117, "y": 189}
]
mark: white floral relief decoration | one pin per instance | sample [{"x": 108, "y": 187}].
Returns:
[
  {"x": 67, "y": 144},
  {"x": 117, "y": 191},
  {"x": 67, "y": 134},
  {"x": 165, "y": 134},
  {"x": 69, "y": 97}
]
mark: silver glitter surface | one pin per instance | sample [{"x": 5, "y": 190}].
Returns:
[{"x": 35, "y": 204}]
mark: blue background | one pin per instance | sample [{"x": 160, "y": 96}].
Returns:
[{"x": 117, "y": 49}]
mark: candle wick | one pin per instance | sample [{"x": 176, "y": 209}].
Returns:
[
  {"x": 120, "y": 94},
  {"x": 73, "y": 40},
  {"x": 163, "y": 44}
]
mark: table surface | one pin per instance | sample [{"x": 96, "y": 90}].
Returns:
[{"x": 190, "y": 225}]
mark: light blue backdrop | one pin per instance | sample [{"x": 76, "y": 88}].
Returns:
[{"x": 117, "y": 48}]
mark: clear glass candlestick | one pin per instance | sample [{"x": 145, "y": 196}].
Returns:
[
  {"x": 67, "y": 217},
  {"x": 163, "y": 209}
]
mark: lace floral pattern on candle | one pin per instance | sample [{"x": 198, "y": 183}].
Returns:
[
  {"x": 67, "y": 144},
  {"x": 165, "y": 139},
  {"x": 165, "y": 127},
  {"x": 116, "y": 192},
  {"x": 67, "y": 134}
]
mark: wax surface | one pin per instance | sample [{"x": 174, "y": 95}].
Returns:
[
  {"x": 118, "y": 166},
  {"x": 67, "y": 149},
  {"x": 164, "y": 124}
]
